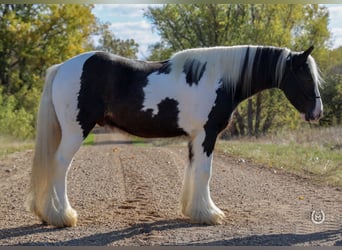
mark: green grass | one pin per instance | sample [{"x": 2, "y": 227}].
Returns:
[
  {"x": 9, "y": 145},
  {"x": 89, "y": 140},
  {"x": 139, "y": 141},
  {"x": 321, "y": 160}
]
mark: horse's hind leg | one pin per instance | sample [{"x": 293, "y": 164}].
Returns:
[
  {"x": 61, "y": 213},
  {"x": 51, "y": 203},
  {"x": 53, "y": 207},
  {"x": 196, "y": 202}
]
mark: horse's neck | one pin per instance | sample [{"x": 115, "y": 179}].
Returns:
[{"x": 258, "y": 82}]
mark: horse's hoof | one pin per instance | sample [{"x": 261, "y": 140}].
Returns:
[
  {"x": 209, "y": 217},
  {"x": 66, "y": 219}
]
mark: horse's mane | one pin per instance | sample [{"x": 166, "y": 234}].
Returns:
[{"x": 237, "y": 63}]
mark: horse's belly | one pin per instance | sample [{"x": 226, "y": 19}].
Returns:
[{"x": 144, "y": 123}]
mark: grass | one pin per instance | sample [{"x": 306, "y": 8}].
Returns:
[
  {"x": 89, "y": 140},
  {"x": 314, "y": 153},
  {"x": 9, "y": 145}
]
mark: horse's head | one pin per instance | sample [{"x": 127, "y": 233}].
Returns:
[{"x": 300, "y": 84}]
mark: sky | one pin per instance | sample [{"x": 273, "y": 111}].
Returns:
[{"x": 127, "y": 21}]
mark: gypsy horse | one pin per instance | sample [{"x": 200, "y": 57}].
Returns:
[{"x": 192, "y": 94}]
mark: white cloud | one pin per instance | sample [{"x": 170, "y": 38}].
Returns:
[
  {"x": 127, "y": 22},
  {"x": 337, "y": 37},
  {"x": 114, "y": 11},
  {"x": 140, "y": 31},
  {"x": 335, "y": 23},
  {"x": 334, "y": 9}
]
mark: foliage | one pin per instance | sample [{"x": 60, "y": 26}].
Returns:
[
  {"x": 332, "y": 90},
  {"x": 160, "y": 51},
  {"x": 109, "y": 43},
  {"x": 284, "y": 25},
  {"x": 15, "y": 121},
  {"x": 32, "y": 38}
]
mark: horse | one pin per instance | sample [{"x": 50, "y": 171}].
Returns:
[{"x": 192, "y": 94}]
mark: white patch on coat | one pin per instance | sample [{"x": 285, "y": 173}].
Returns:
[
  {"x": 224, "y": 63},
  {"x": 65, "y": 90},
  {"x": 194, "y": 102}
]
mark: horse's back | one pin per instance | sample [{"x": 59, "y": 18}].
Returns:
[{"x": 105, "y": 89}]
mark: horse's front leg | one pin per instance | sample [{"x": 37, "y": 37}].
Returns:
[{"x": 196, "y": 202}]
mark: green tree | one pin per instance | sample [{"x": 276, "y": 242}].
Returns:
[
  {"x": 159, "y": 51},
  {"x": 332, "y": 92},
  {"x": 283, "y": 25},
  {"x": 32, "y": 38},
  {"x": 109, "y": 43}
]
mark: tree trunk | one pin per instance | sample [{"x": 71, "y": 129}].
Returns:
[
  {"x": 250, "y": 117},
  {"x": 240, "y": 123},
  {"x": 258, "y": 114}
]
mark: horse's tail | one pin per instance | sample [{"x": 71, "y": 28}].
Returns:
[{"x": 48, "y": 137}]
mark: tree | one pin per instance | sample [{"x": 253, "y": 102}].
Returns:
[
  {"x": 109, "y": 43},
  {"x": 332, "y": 94},
  {"x": 32, "y": 38},
  {"x": 159, "y": 51},
  {"x": 283, "y": 25}
]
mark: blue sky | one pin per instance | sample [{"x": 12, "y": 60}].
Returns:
[{"x": 127, "y": 21}]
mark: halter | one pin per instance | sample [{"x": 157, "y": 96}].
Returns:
[{"x": 289, "y": 59}]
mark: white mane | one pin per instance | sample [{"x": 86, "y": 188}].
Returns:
[{"x": 229, "y": 63}]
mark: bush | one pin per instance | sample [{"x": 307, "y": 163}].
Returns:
[{"x": 14, "y": 119}]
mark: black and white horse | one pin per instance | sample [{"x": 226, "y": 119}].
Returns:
[{"x": 193, "y": 93}]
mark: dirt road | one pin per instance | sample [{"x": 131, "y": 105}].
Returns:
[{"x": 128, "y": 195}]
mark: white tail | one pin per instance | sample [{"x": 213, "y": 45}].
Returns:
[{"x": 42, "y": 200}]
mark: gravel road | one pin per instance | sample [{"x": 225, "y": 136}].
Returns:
[{"x": 128, "y": 195}]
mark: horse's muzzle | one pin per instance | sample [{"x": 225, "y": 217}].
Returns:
[
  {"x": 313, "y": 117},
  {"x": 317, "y": 113}
]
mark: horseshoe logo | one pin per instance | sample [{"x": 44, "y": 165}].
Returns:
[{"x": 317, "y": 217}]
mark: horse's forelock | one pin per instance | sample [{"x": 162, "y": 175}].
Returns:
[
  {"x": 315, "y": 71},
  {"x": 281, "y": 66}
]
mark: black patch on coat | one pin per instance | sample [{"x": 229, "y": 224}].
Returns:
[
  {"x": 218, "y": 119},
  {"x": 263, "y": 74},
  {"x": 111, "y": 93},
  {"x": 264, "y": 68},
  {"x": 243, "y": 75},
  {"x": 194, "y": 70}
]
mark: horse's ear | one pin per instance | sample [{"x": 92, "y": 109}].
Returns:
[
  {"x": 307, "y": 52},
  {"x": 300, "y": 59}
]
